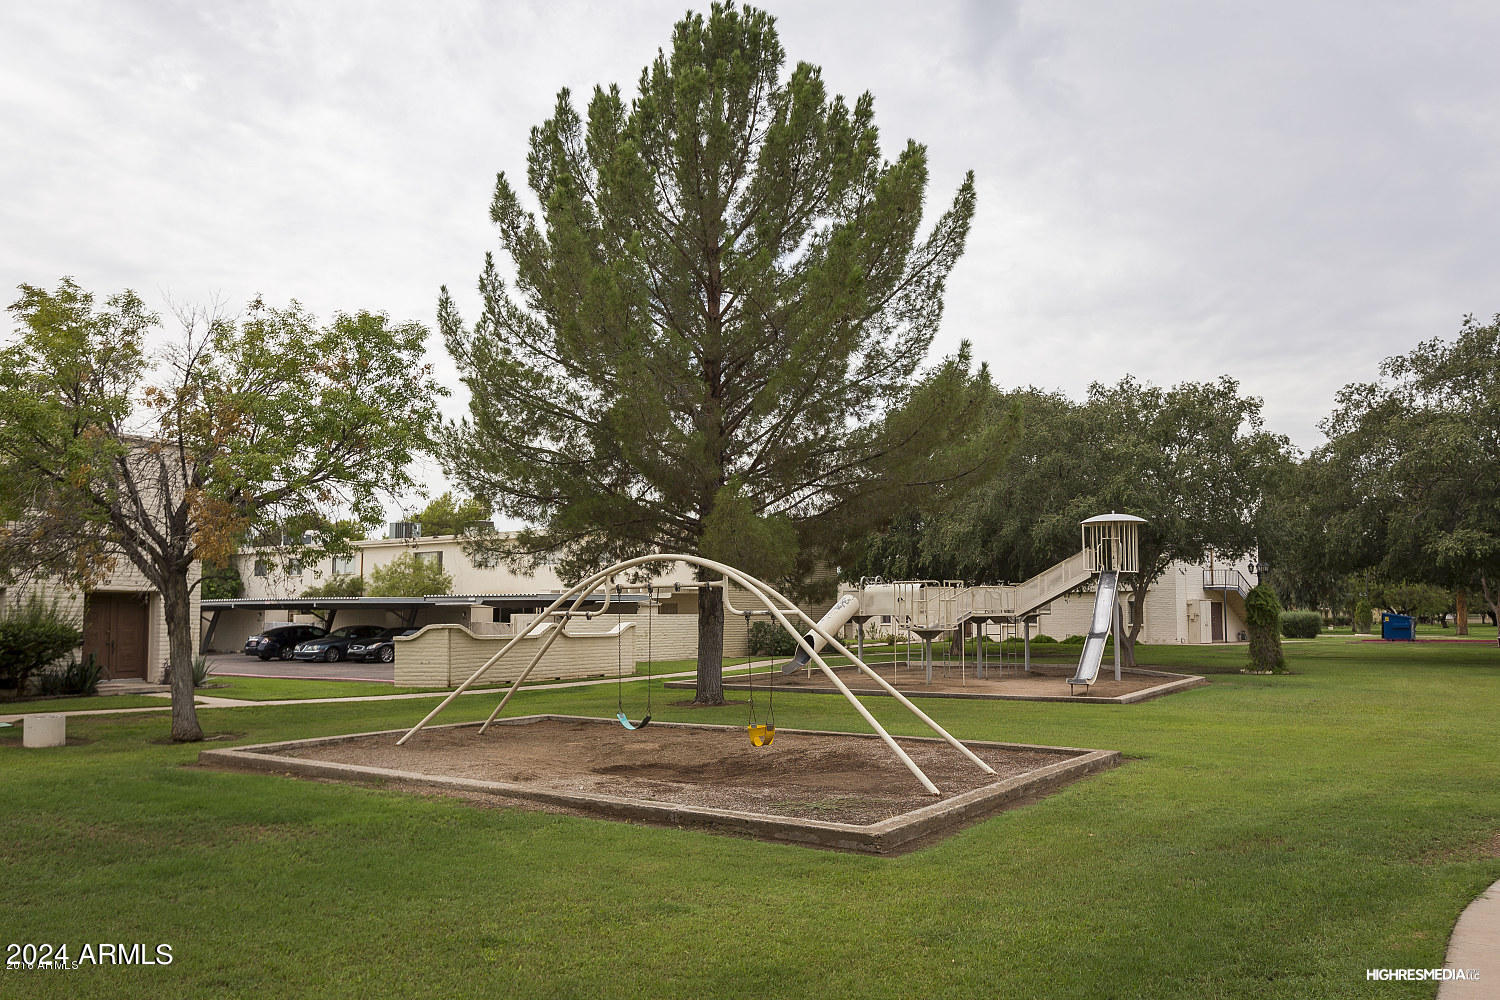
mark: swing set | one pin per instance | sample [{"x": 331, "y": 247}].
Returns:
[{"x": 772, "y": 604}]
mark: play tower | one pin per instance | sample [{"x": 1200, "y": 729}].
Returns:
[
  {"x": 1111, "y": 546},
  {"x": 930, "y": 609}
]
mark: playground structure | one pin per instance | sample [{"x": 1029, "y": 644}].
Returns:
[
  {"x": 932, "y": 609},
  {"x": 1110, "y": 547},
  {"x": 772, "y": 604}
]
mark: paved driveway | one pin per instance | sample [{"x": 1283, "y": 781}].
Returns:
[{"x": 237, "y": 664}]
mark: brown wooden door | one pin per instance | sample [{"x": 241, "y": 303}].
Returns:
[
  {"x": 115, "y": 628},
  {"x": 1217, "y": 614}
]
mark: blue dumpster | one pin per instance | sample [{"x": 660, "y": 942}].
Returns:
[{"x": 1396, "y": 627}]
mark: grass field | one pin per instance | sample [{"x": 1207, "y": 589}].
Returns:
[
  {"x": 1268, "y": 837},
  {"x": 79, "y": 704},
  {"x": 280, "y": 688}
]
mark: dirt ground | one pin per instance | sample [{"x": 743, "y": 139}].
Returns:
[
  {"x": 834, "y": 778},
  {"x": 1047, "y": 681}
]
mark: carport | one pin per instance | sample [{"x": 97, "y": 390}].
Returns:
[{"x": 403, "y": 610}]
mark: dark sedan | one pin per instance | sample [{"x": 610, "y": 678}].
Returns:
[
  {"x": 330, "y": 648},
  {"x": 382, "y": 647},
  {"x": 280, "y": 641}
]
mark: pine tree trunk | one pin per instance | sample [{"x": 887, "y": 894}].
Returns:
[
  {"x": 1461, "y": 611},
  {"x": 178, "y": 606},
  {"x": 710, "y": 646}
]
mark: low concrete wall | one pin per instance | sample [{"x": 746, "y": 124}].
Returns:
[
  {"x": 670, "y": 637},
  {"x": 445, "y": 655}
]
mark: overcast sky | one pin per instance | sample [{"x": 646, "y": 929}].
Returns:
[{"x": 1283, "y": 192}]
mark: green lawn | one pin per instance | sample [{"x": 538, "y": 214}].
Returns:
[
  {"x": 1476, "y": 631},
  {"x": 283, "y": 688},
  {"x": 1268, "y": 837},
  {"x": 679, "y": 666},
  {"x": 80, "y": 704},
  {"x": 280, "y": 688}
]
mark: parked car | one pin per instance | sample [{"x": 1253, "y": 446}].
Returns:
[
  {"x": 382, "y": 647},
  {"x": 280, "y": 641},
  {"x": 331, "y": 647}
]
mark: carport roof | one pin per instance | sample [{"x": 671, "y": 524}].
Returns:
[{"x": 404, "y": 603}]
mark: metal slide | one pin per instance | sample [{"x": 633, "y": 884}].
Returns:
[{"x": 1099, "y": 627}]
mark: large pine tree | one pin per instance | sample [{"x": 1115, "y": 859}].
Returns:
[{"x": 714, "y": 337}]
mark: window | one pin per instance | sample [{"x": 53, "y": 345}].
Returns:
[
  {"x": 434, "y": 558},
  {"x": 261, "y": 569},
  {"x": 294, "y": 567},
  {"x": 343, "y": 565}
]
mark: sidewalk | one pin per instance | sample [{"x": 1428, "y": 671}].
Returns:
[
  {"x": 208, "y": 701},
  {"x": 1475, "y": 945}
]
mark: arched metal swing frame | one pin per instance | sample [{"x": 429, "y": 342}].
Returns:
[{"x": 761, "y": 592}]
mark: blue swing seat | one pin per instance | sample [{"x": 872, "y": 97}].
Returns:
[{"x": 625, "y": 721}]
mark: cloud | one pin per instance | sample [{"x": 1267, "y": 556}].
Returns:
[{"x": 1282, "y": 192}]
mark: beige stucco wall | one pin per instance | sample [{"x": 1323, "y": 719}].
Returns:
[
  {"x": 124, "y": 578},
  {"x": 445, "y": 655},
  {"x": 468, "y": 578},
  {"x": 1177, "y": 608}
]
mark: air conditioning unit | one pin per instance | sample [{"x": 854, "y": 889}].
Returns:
[{"x": 405, "y": 529}]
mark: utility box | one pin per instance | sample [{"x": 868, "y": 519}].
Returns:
[
  {"x": 44, "y": 730},
  {"x": 1397, "y": 627}
]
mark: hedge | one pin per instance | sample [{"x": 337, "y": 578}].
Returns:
[
  {"x": 1301, "y": 624},
  {"x": 770, "y": 639}
]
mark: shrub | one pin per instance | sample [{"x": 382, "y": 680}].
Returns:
[
  {"x": 340, "y": 586},
  {"x": 221, "y": 582},
  {"x": 408, "y": 576},
  {"x": 1042, "y": 640},
  {"x": 1075, "y": 640},
  {"x": 200, "y": 671},
  {"x": 1364, "y": 619},
  {"x": 770, "y": 639},
  {"x": 1264, "y": 619},
  {"x": 1301, "y": 624},
  {"x": 76, "y": 678},
  {"x": 33, "y": 635}
]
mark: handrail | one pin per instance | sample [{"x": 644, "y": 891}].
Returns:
[{"x": 1226, "y": 579}]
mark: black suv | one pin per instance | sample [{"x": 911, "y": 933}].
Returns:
[{"x": 279, "y": 641}]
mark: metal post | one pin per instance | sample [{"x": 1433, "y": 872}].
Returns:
[
  {"x": 1026, "y": 641},
  {"x": 541, "y": 651},
  {"x": 213, "y": 625},
  {"x": 979, "y": 651},
  {"x": 859, "y": 638},
  {"x": 1119, "y": 623}
]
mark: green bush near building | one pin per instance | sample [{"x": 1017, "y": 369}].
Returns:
[{"x": 1301, "y": 624}]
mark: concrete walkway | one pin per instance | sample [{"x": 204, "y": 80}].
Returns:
[
  {"x": 208, "y": 701},
  {"x": 1475, "y": 945}
]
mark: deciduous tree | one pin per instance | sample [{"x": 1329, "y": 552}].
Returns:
[
  {"x": 1419, "y": 456},
  {"x": 117, "y": 446},
  {"x": 409, "y": 576},
  {"x": 447, "y": 515},
  {"x": 1193, "y": 460}
]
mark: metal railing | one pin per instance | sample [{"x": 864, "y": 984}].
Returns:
[
  {"x": 1226, "y": 579},
  {"x": 1052, "y": 583}
]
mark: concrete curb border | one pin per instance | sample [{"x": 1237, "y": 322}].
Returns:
[{"x": 888, "y": 836}]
